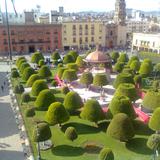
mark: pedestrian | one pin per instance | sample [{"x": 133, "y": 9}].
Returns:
[
  {"x": 4, "y": 83},
  {"x": 2, "y": 88}
]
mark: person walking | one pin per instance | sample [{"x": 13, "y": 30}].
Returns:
[{"x": 2, "y": 88}]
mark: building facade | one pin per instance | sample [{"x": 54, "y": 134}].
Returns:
[
  {"x": 31, "y": 37},
  {"x": 146, "y": 42}
]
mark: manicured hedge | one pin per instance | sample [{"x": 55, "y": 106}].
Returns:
[
  {"x": 32, "y": 79},
  {"x": 69, "y": 75},
  {"x": 106, "y": 154},
  {"x": 71, "y": 133},
  {"x": 100, "y": 80},
  {"x": 27, "y": 73},
  {"x": 68, "y": 59},
  {"x": 44, "y": 72},
  {"x": 86, "y": 78},
  {"x": 36, "y": 57}
]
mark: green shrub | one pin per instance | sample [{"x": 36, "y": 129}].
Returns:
[
  {"x": 114, "y": 56},
  {"x": 123, "y": 78},
  {"x": 154, "y": 142},
  {"x": 32, "y": 79},
  {"x": 151, "y": 100},
  {"x": 106, "y": 154},
  {"x": 30, "y": 112},
  {"x": 118, "y": 67},
  {"x": 122, "y": 104},
  {"x": 44, "y": 72},
  {"x": 80, "y": 63},
  {"x": 21, "y": 62},
  {"x": 133, "y": 58},
  {"x": 38, "y": 86},
  {"x": 19, "y": 59},
  {"x": 25, "y": 98},
  {"x": 68, "y": 59},
  {"x": 41, "y": 63},
  {"x": 18, "y": 89},
  {"x": 123, "y": 57},
  {"x": 60, "y": 65},
  {"x": 65, "y": 90},
  {"x": 92, "y": 111},
  {"x": 56, "y": 114},
  {"x": 154, "y": 122},
  {"x": 155, "y": 85},
  {"x": 36, "y": 57},
  {"x": 127, "y": 70},
  {"x": 23, "y": 66},
  {"x": 145, "y": 69},
  {"x": 135, "y": 65},
  {"x": 69, "y": 75},
  {"x": 86, "y": 78},
  {"x": 128, "y": 90},
  {"x": 55, "y": 63},
  {"x": 60, "y": 71},
  {"x": 72, "y": 66},
  {"x": 72, "y": 102},
  {"x": 56, "y": 56},
  {"x": 27, "y": 73},
  {"x": 100, "y": 80},
  {"x": 121, "y": 128},
  {"x": 71, "y": 133},
  {"x": 41, "y": 132},
  {"x": 15, "y": 74},
  {"x": 74, "y": 54},
  {"x": 44, "y": 99},
  {"x": 54, "y": 83},
  {"x": 137, "y": 79}
]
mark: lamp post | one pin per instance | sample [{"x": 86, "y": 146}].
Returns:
[{"x": 38, "y": 146}]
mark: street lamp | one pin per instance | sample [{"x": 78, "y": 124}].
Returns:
[{"x": 38, "y": 146}]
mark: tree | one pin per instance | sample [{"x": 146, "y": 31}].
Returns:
[
  {"x": 74, "y": 54},
  {"x": 44, "y": 100},
  {"x": 154, "y": 122},
  {"x": 56, "y": 56},
  {"x": 27, "y": 73},
  {"x": 92, "y": 111},
  {"x": 72, "y": 66},
  {"x": 68, "y": 59},
  {"x": 41, "y": 63},
  {"x": 135, "y": 65},
  {"x": 123, "y": 78},
  {"x": 86, "y": 78},
  {"x": 156, "y": 85},
  {"x": 122, "y": 104},
  {"x": 100, "y": 80},
  {"x": 80, "y": 63},
  {"x": 36, "y": 57},
  {"x": 106, "y": 154},
  {"x": 157, "y": 69},
  {"x": 44, "y": 72},
  {"x": 154, "y": 142},
  {"x": 71, "y": 133},
  {"x": 69, "y": 75},
  {"x": 121, "y": 128},
  {"x": 65, "y": 90},
  {"x": 118, "y": 67},
  {"x": 32, "y": 79},
  {"x": 18, "y": 89},
  {"x": 60, "y": 65},
  {"x": 23, "y": 66},
  {"x": 151, "y": 100},
  {"x": 56, "y": 114},
  {"x": 123, "y": 58},
  {"x": 15, "y": 74},
  {"x": 19, "y": 59},
  {"x": 145, "y": 69},
  {"x": 127, "y": 70},
  {"x": 137, "y": 79},
  {"x": 133, "y": 58},
  {"x": 38, "y": 86},
  {"x": 114, "y": 56},
  {"x": 72, "y": 102},
  {"x": 29, "y": 112},
  {"x": 60, "y": 71},
  {"x": 41, "y": 132},
  {"x": 54, "y": 83},
  {"x": 128, "y": 90},
  {"x": 26, "y": 98},
  {"x": 21, "y": 62}
]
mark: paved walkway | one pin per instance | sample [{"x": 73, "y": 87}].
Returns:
[{"x": 10, "y": 145}]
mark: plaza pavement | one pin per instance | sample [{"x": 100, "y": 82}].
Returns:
[{"x": 10, "y": 144}]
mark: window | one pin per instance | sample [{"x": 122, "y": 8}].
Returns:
[
  {"x": 80, "y": 40},
  {"x": 74, "y": 32},
  {"x": 22, "y": 48},
  {"x": 80, "y": 27},
  {"x": 136, "y": 41},
  {"x": 92, "y": 39},
  {"x": 12, "y": 32},
  {"x": 6, "y": 49},
  {"x": 74, "y": 40},
  {"x": 5, "y": 41},
  {"x": 74, "y": 26},
  {"x": 65, "y": 39},
  {"x": 13, "y": 41},
  {"x": 111, "y": 33},
  {"x": 100, "y": 37},
  {"x": 4, "y": 32},
  {"x": 14, "y": 49},
  {"x": 86, "y": 39},
  {"x": 86, "y": 26}
]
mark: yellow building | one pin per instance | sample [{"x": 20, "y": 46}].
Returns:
[{"x": 82, "y": 34}]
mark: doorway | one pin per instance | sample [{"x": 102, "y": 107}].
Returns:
[{"x": 31, "y": 49}]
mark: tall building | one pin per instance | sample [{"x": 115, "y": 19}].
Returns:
[{"x": 120, "y": 12}]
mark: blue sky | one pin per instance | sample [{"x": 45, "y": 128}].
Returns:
[{"x": 80, "y": 5}]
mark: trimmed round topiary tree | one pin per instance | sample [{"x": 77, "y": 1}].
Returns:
[
  {"x": 65, "y": 90},
  {"x": 128, "y": 90},
  {"x": 15, "y": 74},
  {"x": 154, "y": 142},
  {"x": 138, "y": 79},
  {"x": 80, "y": 63},
  {"x": 56, "y": 56},
  {"x": 122, "y": 104},
  {"x": 68, "y": 59},
  {"x": 41, "y": 63},
  {"x": 71, "y": 133},
  {"x": 127, "y": 70},
  {"x": 18, "y": 89},
  {"x": 60, "y": 65},
  {"x": 36, "y": 57},
  {"x": 122, "y": 58},
  {"x": 25, "y": 98},
  {"x": 20, "y": 58},
  {"x": 123, "y": 78},
  {"x": 21, "y": 62},
  {"x": 145, "y": 69},
  {"x": 118, "y": 67},
  {"x": 121, "y": 128},
  {"x": 32, "y": 79},
  {"x": 72, "y": 66},
  {"x": 29, "y": 112},
  {"x": 86, "y": 78},
  {"x": 56, "y": 114},
  {"x": 92, "y": 111},
  {"x": 135, "y": 65},
  {"x": 74, "y": 54},
  {"x": 154, "y": 122},
  {"x": 38, "y": 86},
  {"x": 44, "y": 72},
  {"x": 114, "y": 56},
  {"x": 69, "y": 75},
  {"x": 106, "y": 154},
  {"x": 151, "y": 100},
  {"x": 41, "y": 132},
  {"x": 44, "y": 99},
  {"x": 72, "y": 102},
  {"x": 156, "y": 85},
  {"x": 27, "y": 73},
  {"x": 133, "y": 58},
  {"x": 23, "y": 66},
  {"x": 60, "y": 71}
]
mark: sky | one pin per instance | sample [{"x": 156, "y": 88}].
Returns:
[{"x": 79, "y": 5}]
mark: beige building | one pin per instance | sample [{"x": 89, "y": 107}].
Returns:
[{"x": 146, "y": 42}]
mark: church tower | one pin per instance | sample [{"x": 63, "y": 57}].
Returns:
[{"x": 120, "y": 12}]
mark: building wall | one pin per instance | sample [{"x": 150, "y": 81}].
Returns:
[
  {"x": 121, "y": 35},
  {"x": 29, "y": 38},
  {"x": 146, "y": 42},
  {"x": 82, "y": 34}
]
